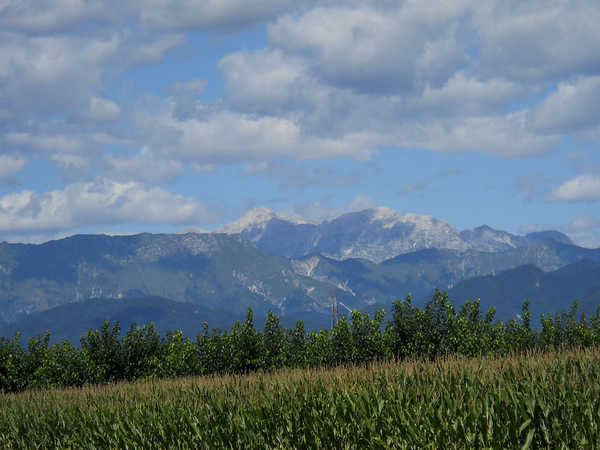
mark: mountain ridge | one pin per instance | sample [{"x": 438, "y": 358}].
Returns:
[
  {"x": 376, "y": 234},
  {"x": 231, "y": 272}
]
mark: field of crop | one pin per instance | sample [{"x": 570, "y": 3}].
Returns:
[{"x": 538, "y": 400}]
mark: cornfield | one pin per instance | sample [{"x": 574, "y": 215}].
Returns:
[{"x": 535, "y": 400}]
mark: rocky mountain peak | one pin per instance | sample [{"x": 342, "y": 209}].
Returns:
[
  {"x": 375, "y": 234},
  {"x": 258, "y": 218},
  {"x": 252, "y": 219}
]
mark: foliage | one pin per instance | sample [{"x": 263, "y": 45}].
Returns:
[{"x": 435, "y": 331}]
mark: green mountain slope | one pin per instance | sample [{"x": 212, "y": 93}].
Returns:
[
  {"x": 212, "y": 270},
  {"x": 547, "y": 292},
  {"x": 421, "y": 272},
  {"x": 227, "y": 273}
]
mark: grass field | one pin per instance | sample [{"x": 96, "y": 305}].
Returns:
[{"x": 543, "y": 400}]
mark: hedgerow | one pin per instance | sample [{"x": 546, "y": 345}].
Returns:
[{"x": 428, "y": 333}]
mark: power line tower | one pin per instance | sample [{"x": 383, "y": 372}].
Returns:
[{"x": 334, "y": 307}]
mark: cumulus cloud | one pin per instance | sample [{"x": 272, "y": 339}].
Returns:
[
  {"x": 224, "y": 136},
  {"x": 537, "y": 40},
  {"x": 574, "y": 105},
  {"x": 261, "y": 80},
  {"x": 45, "y": 16},
  {"x": 103, "y": 109},
  {"x": 207, "y": 14},
  {"x": 100, "y": 202},
  {"x": 144, "y": 167},
  {"x": 470, "y": 94},
  {"x": 336, "y": 79},
  {"x": 47, "y": 75},
  {"x": 39, "y": 16},
  {"x": 10, "y": 165},
  {"x": 372, "y": 49},
  {"x": 38, "y": 71},
  {"x": 60, "y": 143},
  {"x": 507, "y": 135},
  {"x": 581, "y": 188}
]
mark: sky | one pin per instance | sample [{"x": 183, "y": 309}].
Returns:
[{"x": 168, "y": 115}]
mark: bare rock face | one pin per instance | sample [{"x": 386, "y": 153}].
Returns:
[{"x": 375, "y": 234}]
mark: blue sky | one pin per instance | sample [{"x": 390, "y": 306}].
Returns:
[{"x": 162, "y": 116}]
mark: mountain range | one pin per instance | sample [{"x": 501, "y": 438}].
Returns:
[
  {"x": 375, "y": 234},
  {"x": 268, "y": 261}
]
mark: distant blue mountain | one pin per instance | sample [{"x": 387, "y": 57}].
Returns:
[{"x": 284, "y": 264}]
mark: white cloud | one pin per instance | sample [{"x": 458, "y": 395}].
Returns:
[
  {"x": 58, "y": 143},
  {"x": 40, "y": 71},
  {"x": 38, "y": 16},
  {"x": 574, "y": 105},
  {"x": 337, "y": 79},
  {"x": 581, "y": 188},
  {"x": 224, "y": 136},
  {"x": 208, "y": 14},
  {"x": 9, "y": 165},
  {"x": 538, "y": 40},
  {"x": 372, "y": 49},
  {"x": 47, "y": 16},
  {"x": 145, "y": 167},
  {"x": 261, "y": 79},
  {"x": 507, "y": 136},
  {"x": 98, "y": 202},
  {"x": 467, "y": 94},
  {"x": 48, "y": 76},
  {"x": 103, "y": 109}
]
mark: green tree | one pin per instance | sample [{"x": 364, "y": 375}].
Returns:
[
  {"x": 246, "y": 346},
  {"x": 297, "y": 343},
  {"x": 104, "y": 349},
  {"x": 274, "y": 342}
]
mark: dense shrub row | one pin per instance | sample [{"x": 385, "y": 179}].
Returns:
[{"x": 433, "y": 331}]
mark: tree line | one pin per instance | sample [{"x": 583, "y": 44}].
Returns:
[{"x": 436, "y": 330}]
